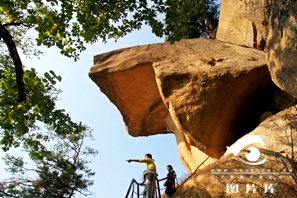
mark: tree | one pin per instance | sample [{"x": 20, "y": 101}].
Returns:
[
  {"x": 191, "y": 19},
  {"x": 60, "y": 170},
  {"x": 59, "y": 173},
  {"x": 66, "y": 24}
]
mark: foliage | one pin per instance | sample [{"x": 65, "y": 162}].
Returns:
[
  {"x": 290, "y": 117},
  {"x": 18, "y": 120},
  {"x": 59, "y": 173},
  {"x": 59, "y": 169},
  {"x": 68, "y": 24},
  {"x": 191, "y": 19},
  {"x": 183, "y": 177}
]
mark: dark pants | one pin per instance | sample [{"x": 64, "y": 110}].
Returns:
[
  {"x": 170, "y": 188},
  {"x": 169, "y": 192},
  {"x": 148, "y": 185}
]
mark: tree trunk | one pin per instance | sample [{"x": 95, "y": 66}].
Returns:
[{"x": 8, "y": 40}]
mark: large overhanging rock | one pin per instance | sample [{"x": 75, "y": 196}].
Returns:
[
  {"x": 207, "y": 92},
  {"x": 231, "y": 176}
]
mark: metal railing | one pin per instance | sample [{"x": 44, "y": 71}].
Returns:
[
  {"x": 132, "y": 187},
  {"x": 155, "y": 188}
]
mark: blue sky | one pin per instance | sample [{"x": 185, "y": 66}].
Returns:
[{"x": 84, "y": 101}]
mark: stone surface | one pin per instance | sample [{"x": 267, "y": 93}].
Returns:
[
  {"x": 265, "y": 24},
  {"x": 127, "y": 78},
  {"x": 252, "y": 180},
  {"x": 281, "y": 49},
  {"x": 233, "y": 26},
  {"x": 206, "y": 92},
  {"x": 209, "y": 93},
  {"x": 217, "y": 95},
  {"x": 242, "y": 22},
  {"x": 254, "y": 11},
  {"x": 191, "y": 157}
]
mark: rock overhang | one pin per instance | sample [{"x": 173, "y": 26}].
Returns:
[{"x": 213, "y": 91}]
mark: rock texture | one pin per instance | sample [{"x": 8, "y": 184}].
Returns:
[
  {"x": 255, "y": 11},
  {"x": 242, "y": 22},
  {"x": 265, "y": 24},
  {"x": 207, "y": 92},
  {"x": 233, "y": 26},
  {"x": 278, "y": 172},
  {"x": 281, "y": 49}
]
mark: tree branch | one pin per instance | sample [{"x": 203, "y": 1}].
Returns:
[
  {"x": 7, "y": 194},
  {"x": 12, "y": 23},
  {"x": 7, "y": 38}
]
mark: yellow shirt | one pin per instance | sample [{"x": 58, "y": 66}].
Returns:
[{"x": 149, "y": 163}]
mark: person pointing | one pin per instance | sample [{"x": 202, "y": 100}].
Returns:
[{"x": 148, "y": 174}]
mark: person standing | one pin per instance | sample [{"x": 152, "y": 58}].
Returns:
[
  {"x": 170, "y": 182},
  {"x": 148, "y": 174}
]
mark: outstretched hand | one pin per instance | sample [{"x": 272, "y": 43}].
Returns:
[{"x": 129, "y": 160}]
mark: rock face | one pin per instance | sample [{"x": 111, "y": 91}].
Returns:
[
  {"x": 265, "y": 24},
  {"x": 232, "y": 177},
  {"x": 206, "y": 92},
  {"x": 233, "y": 26},
  {"x": 254, "y": 11},
  {"x": 208, "y": 102},
  {"x": 242, "y": 22},
  {"x": 282, "y": 44}
]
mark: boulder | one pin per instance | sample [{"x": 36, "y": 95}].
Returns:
[
  {"x": 231, "y": 176},
  {"x": 281, "y": 52},
  {"x": 127, "y": 78},
  {"x": 215, "y": 92},
  {"x": 206, "y": 92}
]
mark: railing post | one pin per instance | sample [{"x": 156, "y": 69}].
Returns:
[
  {"x": 133, "y": 190},
  {"x": 154, "y": 186},
  {"x": 138, "y": 191},
  {"x": 129, "y": 189},
  {"x": 132, "y": 183},
  {"x": 158, "y": 185}
]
